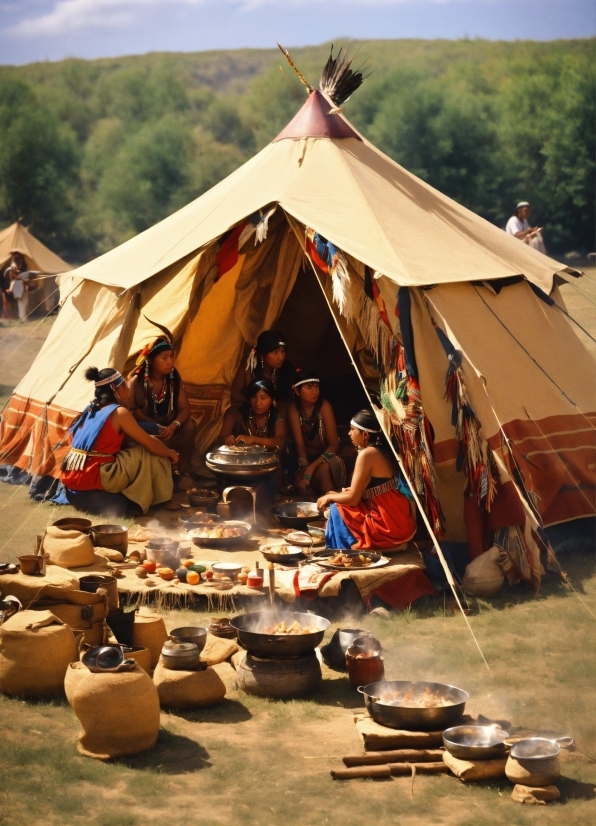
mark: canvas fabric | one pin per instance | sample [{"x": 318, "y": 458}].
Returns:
[{"x": 188, "y": 689}]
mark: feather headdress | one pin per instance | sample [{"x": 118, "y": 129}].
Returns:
[{"x": 338, "y": 80}]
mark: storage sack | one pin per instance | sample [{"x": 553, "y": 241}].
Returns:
[
  {"x": 469, "y": 770},
  {"x": 35, "y": 651},
  {"x": 150, "y": 632},
  {"x": 534, "y": 796},
  {"x": 79, "y": 609},
  {"x": 118, "y": 712},
  {"x": 33, "y": 588},
  {"x": 68, "y": 549},
  {"x": 218, "y": 649},
  {"x": 188, "y": 689},
  {"x": 483, "y": 577}
]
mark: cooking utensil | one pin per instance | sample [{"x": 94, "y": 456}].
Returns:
[
  {"x": 377, "y": 560},
  {"x": 253, "y": 493},
  {"x": 33, "y": 564},
  {"x": 180, "y": 656},
  {"x": 107, "y": 658},
  {"x": 242, "y": 461},
  {"x": 540, "y": 748},
  {"x": 224, "y": 541},
  {"x": 231, "y": 569},
  {"x": 334, "y": 653},
  {"x": 286, "y": 514},
  {"x": 475, "y": 742},
  {"x": 110, "y": 536},
  {"x": 73, "y": 523},
  {"x": 221, "y": 627},
  {"x": 198, "y": 519},
  {"x": 390, "y": 713},
  {"x": 317, "y": 529},
  {"x": 203, "y": 498},
  {"x": 191, "y": 633},
  {"x": 289, "y": 558},
  {"x": 252, "y": 636}
]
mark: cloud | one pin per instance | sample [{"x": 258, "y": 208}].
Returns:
[{"x": 68, "y": 16}]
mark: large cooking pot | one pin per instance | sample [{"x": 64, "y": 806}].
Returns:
[
  {"x": 475, "y": 742},
  {"x": 253, "y": 637},
  {"x": 242, "y": 461},
  {"x": 385, "y": 700},
  {"x": 287, "y": 514}
]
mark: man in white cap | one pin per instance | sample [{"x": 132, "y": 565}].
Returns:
[{"x": 519, "y": 226}]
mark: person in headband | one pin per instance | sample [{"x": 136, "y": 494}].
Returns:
[
  {"x": 266, "y": 360},
  {"x": 371, "y": 513},
  {"x": 99, "y": 477},
  {"x": 159, "y": 400},
  {"x": 313, "y": 460}
]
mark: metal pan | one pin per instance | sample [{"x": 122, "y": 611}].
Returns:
[
  {"x": 224, "y": 541},
  {"x": 290, "y": 558},
  {"x": 286, "y": 514},
  {"x": 252, "y": 636},
  {"x": 475, "y": 742},
  {"x": 540, "y": 748},
  {"x": 388, "y": 712}
]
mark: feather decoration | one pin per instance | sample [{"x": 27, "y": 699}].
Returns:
[
  {"x": 340, "y": 281},
  {"x": 164, "y": 330},
  {"x": 338, "y": 80},
  {"x": 301, "y": 77}
]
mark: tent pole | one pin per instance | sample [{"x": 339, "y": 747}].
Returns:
[{"x": 442, "y": 560}]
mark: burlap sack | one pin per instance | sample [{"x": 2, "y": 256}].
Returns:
[
  {"x": 79, "y": 609},
  {"x": 483, "y": 577},
  {"x": 68, "y": 549},
  {"x": 149, "y": 631},
  {"x": 379, "y": 738},
  {"x": 534, "y": 796},
  {"x": 142, "y": 657},
  {"x": 109, "y": 554},
  {"x": 218, "y": 649},
  {"x": 97, "y": 634},
  {"x": 34, "y": 588},
  {"x": 188, "y": 689},
  {"x": 74, "y": 674},
  {"x": 35, "y": 651},
  {"x": 469, "y": 770},
  {"x": 118, "y": 713}
]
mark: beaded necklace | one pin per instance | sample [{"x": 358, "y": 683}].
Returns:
[
  {"x": 310, "y": 424},
  {"x": 257, "y": 430}
]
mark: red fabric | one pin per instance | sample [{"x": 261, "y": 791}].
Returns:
[
  {"x": 399, "y": 593},
  {"x": 311, "y": 251},
  {"x": 381, "y": 522},
  {"x": 506, "y": 510},
  {"x": 227, "y": 257},
  {"x": 108, "y": 441}
]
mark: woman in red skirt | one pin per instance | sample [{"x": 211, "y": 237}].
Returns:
[{"x": 371, "y": 513}]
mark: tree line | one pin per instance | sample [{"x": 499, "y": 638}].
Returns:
[{"x": 93, "y": 152}]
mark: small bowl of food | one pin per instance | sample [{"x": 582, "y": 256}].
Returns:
[
  {"x": 317, "y": 529},
  {"x": 221, "y": 534},
  {"x": 202, "y": 498},
  {"x": 282, "y": 554},
  {"x": 230, "y": 569}
]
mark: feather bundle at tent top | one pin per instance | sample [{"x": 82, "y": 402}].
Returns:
[{"x": 338, "y": 80}]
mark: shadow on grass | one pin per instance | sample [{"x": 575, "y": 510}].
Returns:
[
  {"x": 226, "y": 711},
  {"x": 173, "y": 754},
  {"x": 575, "y": 790}
]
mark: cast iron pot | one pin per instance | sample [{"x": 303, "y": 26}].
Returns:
[
  {"x": 435, "y": 718},
  {"x": 252, "y": 636}
]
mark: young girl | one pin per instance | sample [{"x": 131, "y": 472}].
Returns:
[
  {"x": 267, "y": 360},
  {"x": 256, "y": 422}
]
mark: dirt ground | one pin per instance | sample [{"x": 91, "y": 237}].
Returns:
[{"x": 253, "y": 761}]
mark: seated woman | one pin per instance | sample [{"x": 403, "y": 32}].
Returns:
[
  {"x": 159, "y": 401},
  {"x": 311, "y": 424},
  {"x": 256, "y": 422},
  {"x": 371, "y": 513},
  {"x": 267, "y": 360},
  {"x": 98, "y": 476}
]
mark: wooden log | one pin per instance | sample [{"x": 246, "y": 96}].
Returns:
[
  {"x": 361, "y": 771},
  {"x": 374, "y": 758},
  {"x": 405, "y": 769}
]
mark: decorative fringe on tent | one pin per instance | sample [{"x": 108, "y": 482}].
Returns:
[
  {"x": 333, "y": 262},
  {"x": 404, "y": 416},
  {"x": 378, "y": 338},
  {"x": 258, "y": 225},
  {"x": 521, "y": 549}
]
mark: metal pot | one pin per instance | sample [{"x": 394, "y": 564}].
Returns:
[
  {"x": 73, "y": 523},
  {"x": 110, "y": 536},
  {"x": 252, "y": 636},
  {"x": 389, "y": 712},
  {"x": 242, "y": 461},
  {"x": 286, "y": 514},
  {"x": 192, "y": 633},
  {"x": 224, "y": 541},
  {"x": 475, "y": 742},
  {"x": 180, "y": 656},
  {"x": 107, "y": 658}
]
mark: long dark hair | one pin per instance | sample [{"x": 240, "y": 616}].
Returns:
[
  {"x": 172, "y": 381},
  {"x": 252, "y": 390},
  {"x": 309, "y": 424},
  {"x": 368, "y": 420},
  {"x": 104, "y": 395}
]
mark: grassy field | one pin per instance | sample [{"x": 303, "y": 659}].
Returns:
[{"x": 252, "y": 761}]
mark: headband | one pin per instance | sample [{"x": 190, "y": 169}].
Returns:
[
  {"x": 259, "y": 383},
  {"x": 306, "y": 381},
  {"x": 116, "y": 379},
  {"x": 161, "y": 344},
  {"x": 366, "y": 429}
]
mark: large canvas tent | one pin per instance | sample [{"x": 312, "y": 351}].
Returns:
[
  {"x": 405, "y": 265},
  {"x": 38, "y": 258}
]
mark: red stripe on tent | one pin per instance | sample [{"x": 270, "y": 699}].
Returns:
[{"x": 227, "y": 257}]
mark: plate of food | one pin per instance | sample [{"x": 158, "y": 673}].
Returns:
[
  {"x": 297, "y": 537},
  {"x": 219, "y": 534},
  {"x": 296, "y": 514},
  {"x": 282, "y": 553},
  {"x": 338, "y": 560}
]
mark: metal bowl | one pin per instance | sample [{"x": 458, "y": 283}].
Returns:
[
  {"x": 317, "y": 528},
  {"x": 242, "y": 461},
  {"x": 390, "y": 713},
  {"x": 540, "y": 748},
  {"x": 252, "y": 636},
  {"x": 286, "y": 514},
  {"x": 73, "y": 523},
  {"x": 475, "y": 742},
  {"x": 203, "y": 498},
  {"x": 191, "y": 633},
  {"x": 290, "y": 558},
  {"x": 231, "y": 569},
  {"x": 224, "y": 541}
]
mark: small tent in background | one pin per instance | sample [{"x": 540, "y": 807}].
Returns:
[
  {"x": 17, "y": 238},
  {"x": 458, "y": 327}
]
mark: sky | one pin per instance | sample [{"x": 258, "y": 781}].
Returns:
[{"x": 33, "y": 30}]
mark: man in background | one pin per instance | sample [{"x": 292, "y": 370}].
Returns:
[
  {"x": 519, "y": 226},
  {"x": 14, "y": 287}
]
